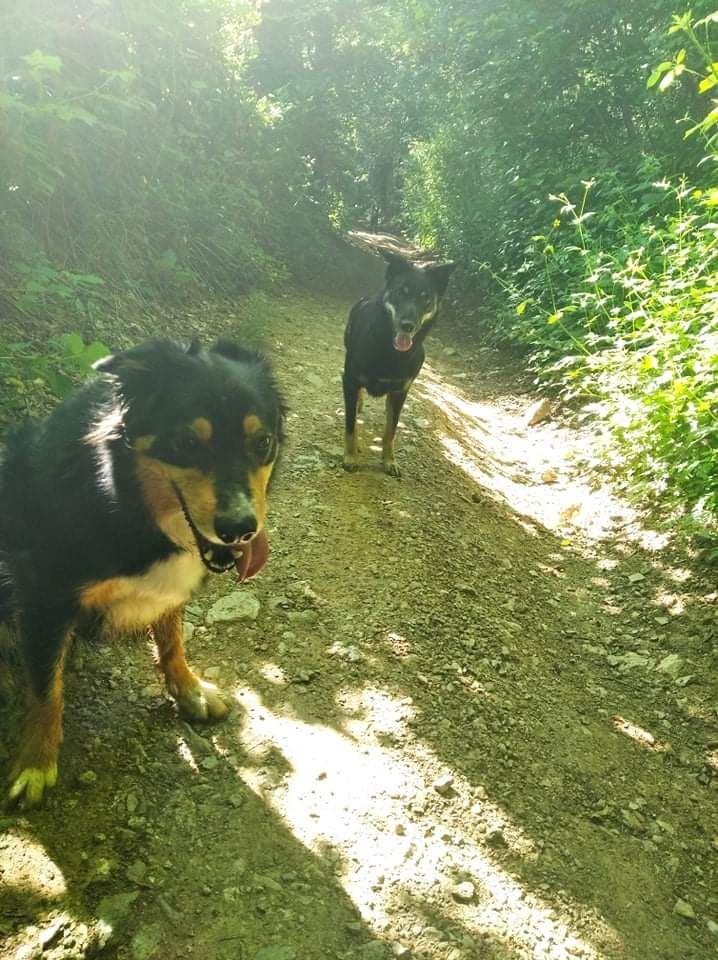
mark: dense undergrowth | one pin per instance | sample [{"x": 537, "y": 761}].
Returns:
[
  {"x": 604, "y": 269},
  {"x": 618, "y": 304},
  {"x": 157, "y": 157}
]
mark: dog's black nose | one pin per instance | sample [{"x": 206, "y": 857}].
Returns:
[
  {"x": 407, "y": 325},
  {"x": 233, "y": 529}
]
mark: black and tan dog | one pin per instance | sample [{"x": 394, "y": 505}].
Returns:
[
  {"x": 384, "y": 340},
  {"x": 118, "y": 504}
]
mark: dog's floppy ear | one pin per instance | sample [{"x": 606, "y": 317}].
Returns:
[
  {"x": 137, "y": 362},
  {"x": 141, "y": 374},
  {"x": 440, "y": 273},
  {"x": 394, "y": 264}
]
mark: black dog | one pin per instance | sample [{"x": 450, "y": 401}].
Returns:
[
  {"x": 118, "y": 503},
  {"x": 384, "y": 340}
]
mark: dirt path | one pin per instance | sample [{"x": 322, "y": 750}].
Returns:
[{"x": 475, "y": 717}]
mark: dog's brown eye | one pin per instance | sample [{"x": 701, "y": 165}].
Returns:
[{"x": 263, "y": 446}]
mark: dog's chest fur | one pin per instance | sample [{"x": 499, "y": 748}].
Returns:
[{"x": 129, "y": 603}]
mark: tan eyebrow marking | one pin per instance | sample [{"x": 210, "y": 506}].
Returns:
[
  {"x": 251, "y": 423},
  {"x": 203, "y": 428}
]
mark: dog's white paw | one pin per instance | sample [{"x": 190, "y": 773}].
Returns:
[
  {"x": 29, "y": 785},
  {"x": 203, "y": 701}
]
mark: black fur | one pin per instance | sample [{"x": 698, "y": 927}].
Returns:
[
  {"x": 407, "y": 307},
  {"x": 73, "y": 510}
]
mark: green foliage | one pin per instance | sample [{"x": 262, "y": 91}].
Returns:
[
  {"x": 177, "y": 151},
  {"x": 619, "y": 305},
  {"x": 135, "y": 150},
  {"x": 34, "y": 376},
  {"x": 43, "y": 289}
]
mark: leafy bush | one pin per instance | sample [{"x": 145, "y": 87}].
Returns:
[
  {"x": 618, "y": 304},
  {"x": 34, "y": 376}
]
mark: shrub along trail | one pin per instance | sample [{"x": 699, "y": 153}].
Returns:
[{"x": 475, "y": 712}]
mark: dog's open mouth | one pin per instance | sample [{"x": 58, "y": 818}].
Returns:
[
  {"x": 247, "y": 558},
  {"x": 403, "y": 342}
]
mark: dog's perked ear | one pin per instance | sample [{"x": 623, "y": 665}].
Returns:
[
  {"x": 394, "y": 264},
  {"x": 142, "y": 372},
  {"x": 440, "y": 274},
  {"x": 232, "y": 351}
]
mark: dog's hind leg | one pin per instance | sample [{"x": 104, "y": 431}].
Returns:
[
  {"x": 394, "y": 403},
  {"x": 352, "y": 390},
  {"x": 196, "y": 699},
  {"x": 45, "y": 638}
]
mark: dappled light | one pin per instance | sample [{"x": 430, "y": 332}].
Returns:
[
  {"x": 644, "y": 738},
  {"x": 373, "y": 808},
  {"x": 527, "y": 468},
  {"x": 361, "y": 360},
  {"x": 27, "y": 866}
]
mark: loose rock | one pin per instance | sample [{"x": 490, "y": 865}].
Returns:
[
  {"x": 444, "y": 785},
  {"x": 237, "y": 606},
  {"x": 683, "y": 909}
]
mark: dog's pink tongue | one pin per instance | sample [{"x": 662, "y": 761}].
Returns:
[
  {"x": 402, "y": 341},
  {"x": 252, "y": 558}
]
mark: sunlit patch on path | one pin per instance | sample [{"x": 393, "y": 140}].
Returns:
[
  {"x": 405, "y": 848},
  {"x": 527, "y": 468}
]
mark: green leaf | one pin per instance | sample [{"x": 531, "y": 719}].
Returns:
[
  {"x": 707, "y": 83},
  {"x": 658, "y": 73},
  {"x": 72, "y": 344},
  {"x": 41, "y": 64},
  {"x": 667, "y": 80},
  {"x": 521, "y": 308},
  {"x": 94, "y": 352}
]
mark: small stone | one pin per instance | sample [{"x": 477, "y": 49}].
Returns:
[
  {"x": 464, "y": 892},
  {"x": 209, "y": 763},
  {"x": 443, "y": 785},
  {"x": 400, "y": 951},
  {"x": 137, "y": 871},
  {"x": 635, "y": 577},
  {"x": 112, "y": 912},
  {"x": 539, "y": 412},
  {"x": 495, "y": 838},
  {"x": 51, "y": 933},
  {"x": 672, "y": 665},
  {"x": 683, "y": 909},
  {"x": 240, "y": 605}
]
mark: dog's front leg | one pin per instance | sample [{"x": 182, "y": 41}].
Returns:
[
  {"x": 394, "y": 403},
  {"x": 352, "y": 390},
  {"x": 44, "y": 638},
  {"x": 196, "y": 699}
]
